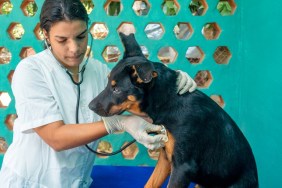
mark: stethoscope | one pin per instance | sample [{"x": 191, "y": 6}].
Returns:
[{"x": 81, "y": 71}]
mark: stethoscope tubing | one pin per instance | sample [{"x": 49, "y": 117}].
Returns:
[{"x": 78, "y": 99}]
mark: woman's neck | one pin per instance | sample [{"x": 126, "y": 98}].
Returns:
[{"x": 74, "y": 73}]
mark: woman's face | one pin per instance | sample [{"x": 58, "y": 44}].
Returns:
[{"x": 68, "y": 40}]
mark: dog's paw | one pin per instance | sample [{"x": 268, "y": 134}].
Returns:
[{"x": 127, "y": 28}]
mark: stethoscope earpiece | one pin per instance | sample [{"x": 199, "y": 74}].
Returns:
[{"x": 47, "y": 44}]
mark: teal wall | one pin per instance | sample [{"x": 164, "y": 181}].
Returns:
[
  {"x": 250, "y": 84},
  {"x": 261, "y": 87}
]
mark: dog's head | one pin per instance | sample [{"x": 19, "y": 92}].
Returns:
[{"x": 127, "y": 82}]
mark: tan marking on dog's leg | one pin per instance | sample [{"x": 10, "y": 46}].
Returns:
[
  {"x": 163, "y": 167},
  {"x": 169, "y": 146},
  {"x": 160, "y": 173}
]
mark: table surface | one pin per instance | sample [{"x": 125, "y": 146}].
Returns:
[{"x": 121, "y": 176}]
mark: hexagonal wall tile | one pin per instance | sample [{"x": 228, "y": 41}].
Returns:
[
  {"x": 5, "y": 99},
  {"x": 145, "y": 51},
  {"x": 3, "y": 145},
  {"x": 183, "y": 30},
  {"x": 170, "y": 7},
  {"x": 111, "y": 54},
  {"x": 27, "y": 51},
  {"x": 10, "y": 75},
  {"x": 198, "y": 7},
  {"x": 154, "y": 154},
  {"x": 126, "y": 27},
  {"x": 203, "y": 78},
  {"x": 211, "y": 31},
  {"x": 154, "y": 31},
  {"x": 104, "y": 147},
  {"x": 6, "y": 7},
  {"x": 5, "y": 55},
  {"x": 195, "y": 55},
  {"x": 16, "y": 30},
  {"x": 29, "y": 7},
  {"x": 89, "y": 5},
  {"x": 38, "y": 32},
  {"x": 167, "y": 55},
  {"x": 10, "y": 119},
  {"x": 99, "y": 30},
  {"x": 113, "y": 7},
  {"x": 130, "y": 152},
  {"x": 226, "y": 7},
  {"x": 218, "y": 99},
  {"x": 222, "y": 55},
  {"x": 141, "y": 7}
]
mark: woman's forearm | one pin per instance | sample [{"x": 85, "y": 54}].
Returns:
[{"x": 60, "y": 136}]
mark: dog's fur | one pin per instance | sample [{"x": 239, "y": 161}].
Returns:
[{"x": 205, "y": 145}]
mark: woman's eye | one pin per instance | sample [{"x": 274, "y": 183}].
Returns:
[
  {"x": 61, "y": 41},
  {"x": 81, "y": 37}
]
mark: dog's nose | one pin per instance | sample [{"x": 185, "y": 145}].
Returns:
[
  {"x": 97, "y": 108},
  {"x": 91, "y": 105}
]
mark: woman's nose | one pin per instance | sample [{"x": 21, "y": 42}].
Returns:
[{"x": 73, "y": 46}]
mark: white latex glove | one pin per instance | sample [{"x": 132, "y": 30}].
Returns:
[
  {"x": 138, "y": 128},
  {"x": 185, "y": 83}
]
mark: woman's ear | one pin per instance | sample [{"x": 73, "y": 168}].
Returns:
[{"x": 45, "y": 34}]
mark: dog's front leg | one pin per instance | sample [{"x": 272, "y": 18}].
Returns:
[
  {"x": 160, "y": 173},
  {"x": 163, "y": 167}
]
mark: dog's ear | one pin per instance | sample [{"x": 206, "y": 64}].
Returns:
[
  {"x": 131, "y": 46},
  {"x": 143, "y": 73},
  {"x": 141, "y": 70}
]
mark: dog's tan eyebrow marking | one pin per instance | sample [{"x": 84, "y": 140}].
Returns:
[
  {"x": 113, "y": 83},
  {"x": 131, "y": 98}
]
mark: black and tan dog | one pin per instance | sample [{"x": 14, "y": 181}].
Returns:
[{"x": 205, "y": 145}]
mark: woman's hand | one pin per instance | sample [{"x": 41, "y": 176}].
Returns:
[
  {"x": 138, "y": 128},
  {"x": 185, "y": 83}
]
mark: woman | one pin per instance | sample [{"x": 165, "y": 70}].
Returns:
[{"x": 48, "y": 145}]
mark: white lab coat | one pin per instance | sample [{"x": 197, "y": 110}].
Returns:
[{"x": 44, "y": 93}]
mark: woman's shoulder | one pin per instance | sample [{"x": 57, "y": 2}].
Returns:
[
  {"x": 36, "y": 61},
  {"x": 96, "y": 65},
  {"x": 32, "y": 64},
  {"x": 95, "y": 62},
  {"x": 36, "y": 58}
]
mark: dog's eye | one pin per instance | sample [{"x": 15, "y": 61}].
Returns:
[{"x": 116, "y": 90}]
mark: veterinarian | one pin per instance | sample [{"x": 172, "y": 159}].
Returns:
[{"x": 48, "y": 144}]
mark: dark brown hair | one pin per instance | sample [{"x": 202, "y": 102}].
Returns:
[{"x": 53, "y": 11}]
